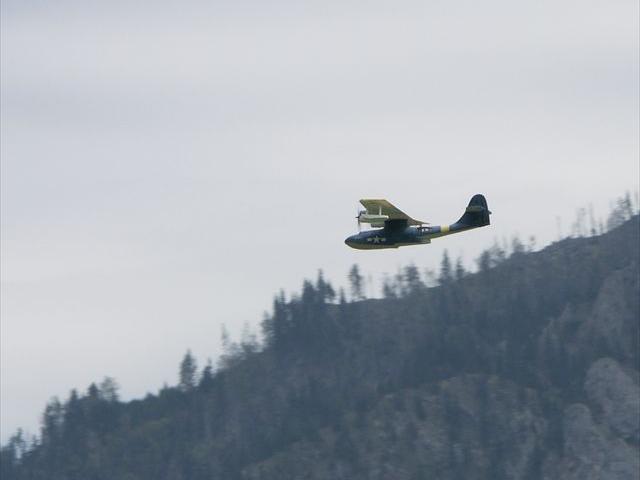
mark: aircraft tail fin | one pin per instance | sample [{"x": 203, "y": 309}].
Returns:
[{"x": 477, "y": 212}]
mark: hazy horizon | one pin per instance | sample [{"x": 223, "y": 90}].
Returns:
[{"x": 167, "y": 170}]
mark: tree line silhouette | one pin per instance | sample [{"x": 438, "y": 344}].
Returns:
[{"x": 325, "y": 353}]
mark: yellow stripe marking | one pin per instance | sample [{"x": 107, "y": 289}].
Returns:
[{"x": 444, "y": 228}]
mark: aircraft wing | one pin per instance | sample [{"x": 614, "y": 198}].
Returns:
[{"x": 384, "y": 207}]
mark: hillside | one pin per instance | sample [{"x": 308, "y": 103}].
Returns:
[{"x": 527, "y": 369}]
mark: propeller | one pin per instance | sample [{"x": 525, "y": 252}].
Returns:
[{"x": 358, "y": 213}]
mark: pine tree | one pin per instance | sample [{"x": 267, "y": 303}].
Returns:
[
  {"x": 188, "y": 370},
  {"x": 18, "y": 443},
  {"x": 446, "y": 275},
  {"x": 52, "y": 419},
  {"x": 356, "y": 282},
  {"x": 621, "y": 211},
  {"x": 324, "y": 288},
  {"x": 388, "y": 288},
  {"x": 460, "y": 272},
  {"x": 281, "y": 322},
  {"x": 74, "y": 423},
  {"x": 206, "y": 378},
  {"x": 517, "y": 247},
  {"x": 109, "y": 389},
  {"x": 412, "y": 279},
  {"x": 484, "y": 261},
  {"x": 342, "y": 297},
  {"x": 248, "y": 341},
  {"x": 274, "y": 326}
]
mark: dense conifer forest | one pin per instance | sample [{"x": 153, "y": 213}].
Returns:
[{"x": 526, "y": 368}]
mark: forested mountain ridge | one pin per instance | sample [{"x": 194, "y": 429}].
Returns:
[{"x": 526, "y": 369}]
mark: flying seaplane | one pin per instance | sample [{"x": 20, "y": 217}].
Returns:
[{"x": 392, "y": 228}]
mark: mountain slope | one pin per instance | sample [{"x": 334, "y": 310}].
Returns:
[{"x": 526, "y": 369}]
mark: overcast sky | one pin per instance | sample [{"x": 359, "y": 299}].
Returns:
[{"x": 168, "y": 166}]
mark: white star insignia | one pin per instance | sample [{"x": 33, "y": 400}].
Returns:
[{"x": 376, "y": 239}]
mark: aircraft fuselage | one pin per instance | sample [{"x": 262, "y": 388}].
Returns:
[{"x": 399, "y": 237}]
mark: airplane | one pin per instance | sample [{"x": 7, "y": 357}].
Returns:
[{"x": 393, "y": 228}]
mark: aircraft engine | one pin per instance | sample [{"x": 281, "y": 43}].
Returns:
[{"x": 372, "y": 218}]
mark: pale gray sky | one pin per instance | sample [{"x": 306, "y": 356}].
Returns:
[{"x": 167, "y": 167}]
